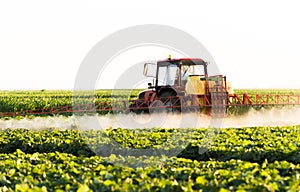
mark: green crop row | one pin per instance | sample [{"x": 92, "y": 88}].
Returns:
[
  {"x": 243, "y": 159},
  {"x": 18, "y": 101},
  {"x": 57, "y": 171},
  {"x": 64, "y": 172},
  {"x": 69, "y": 93},
  {"x": 250, "y": 144}
]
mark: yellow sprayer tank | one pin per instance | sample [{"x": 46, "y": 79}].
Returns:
[{"x": 196, "y": 85}]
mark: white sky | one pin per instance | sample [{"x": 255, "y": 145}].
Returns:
[{"x": 255, "y": 44}]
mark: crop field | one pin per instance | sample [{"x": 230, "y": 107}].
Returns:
[
  {"x": 17, "y": 101},
  {"x": 255, "y": 158}
]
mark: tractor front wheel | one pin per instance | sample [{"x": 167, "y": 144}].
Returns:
[{"x": 171, "y": 101}]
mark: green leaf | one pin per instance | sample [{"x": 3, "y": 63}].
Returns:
[
  {"x": 223, "y": 190},
  {"x": 201, "y": 180},
  {"x": 108, "y": 182},
  {"x": 83, "y": 188},
  {"x": 21, "y": 187}
]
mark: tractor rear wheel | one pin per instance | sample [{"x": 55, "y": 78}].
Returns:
[{"x": 143, "y": 108}]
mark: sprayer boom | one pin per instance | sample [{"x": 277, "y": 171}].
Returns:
[{"x": 188, "y": 104}]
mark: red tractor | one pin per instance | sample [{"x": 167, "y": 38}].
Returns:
[{"x": 182, "y": 84}]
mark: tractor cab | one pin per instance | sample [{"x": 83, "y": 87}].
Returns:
[
  {"x": 180, "y": 83},
  {"x": 174, "y": 74}
]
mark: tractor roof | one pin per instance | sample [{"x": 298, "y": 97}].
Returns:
[{"x": 182, "y": 61}]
